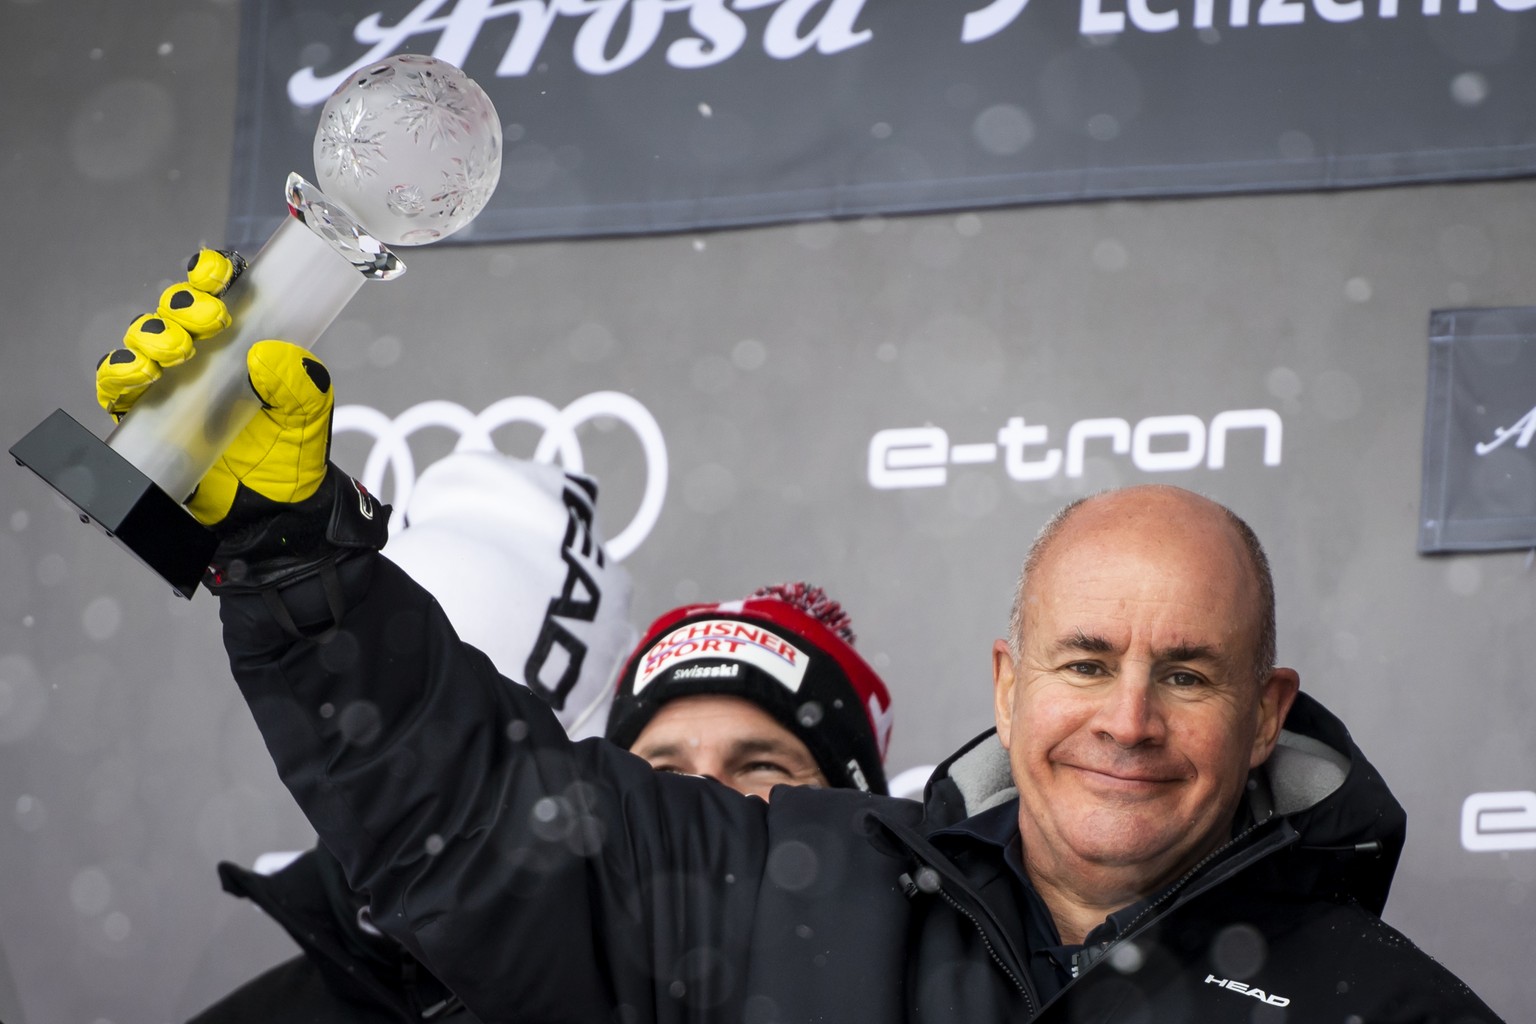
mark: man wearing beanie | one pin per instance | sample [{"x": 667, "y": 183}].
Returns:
[{"x": 756, "y": 693}]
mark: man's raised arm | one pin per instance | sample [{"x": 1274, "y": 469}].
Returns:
[{"x": 538, "y": 878}]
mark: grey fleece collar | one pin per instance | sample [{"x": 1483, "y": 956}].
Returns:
[{"x": 1301, "y": 772}]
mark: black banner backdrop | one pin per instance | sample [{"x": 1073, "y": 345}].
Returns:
[
  {"x": 1479, "y": 489},
  {"x": 627, "y": 116}
]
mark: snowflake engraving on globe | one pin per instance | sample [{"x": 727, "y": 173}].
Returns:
[{"x": 411, "y": 146}]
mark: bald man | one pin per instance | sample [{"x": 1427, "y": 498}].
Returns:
[
  {"x": 1160, "y": 828},
  {"x": 1136, "y": 694}
]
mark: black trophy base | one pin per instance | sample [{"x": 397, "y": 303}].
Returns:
[{"x": 115, "y": 495}]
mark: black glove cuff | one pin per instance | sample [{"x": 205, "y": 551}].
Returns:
[{"x": 273, "y": 545}]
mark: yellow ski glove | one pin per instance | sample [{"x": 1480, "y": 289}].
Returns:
[
  {"x": 281, "y": 511},
  {"x": 188, "y": 312},
  {"x": 281, "y": 456}
]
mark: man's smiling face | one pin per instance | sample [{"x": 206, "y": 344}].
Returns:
[{"x": 1134, "y": 713}]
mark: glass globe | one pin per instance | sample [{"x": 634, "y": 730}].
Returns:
[{"x": 411, "y": 146}]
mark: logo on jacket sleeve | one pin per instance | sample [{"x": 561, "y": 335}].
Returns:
[{"x": 1244, "y": 989}]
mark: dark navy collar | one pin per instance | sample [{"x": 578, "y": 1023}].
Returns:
[
  {"x": 1052, "y": 963},
  {"x": 995, "y": 826}
]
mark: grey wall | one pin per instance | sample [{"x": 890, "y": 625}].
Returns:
[{"x": 769, "y": 357}]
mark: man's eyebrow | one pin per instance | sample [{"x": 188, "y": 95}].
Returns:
[
  {"x": 1188, "y": 652},
  {"x": 1093, "y": 643},
  {"x": 655, "y": 750},
  {"x": 760, "y": 745},
  {"x": 1077, "y": 640}
]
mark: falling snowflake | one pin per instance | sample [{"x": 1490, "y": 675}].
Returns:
[{"x": 352, "y": 145}]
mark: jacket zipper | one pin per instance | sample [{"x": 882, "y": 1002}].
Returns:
[
  {"x": 1165, "y": 896},
  {"x": 912, "y": 889},
  {"x": 1189, "y": 875},
  {"x": 1029, "y": 1003}
]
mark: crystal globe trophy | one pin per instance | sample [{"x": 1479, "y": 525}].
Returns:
[{"x": 408, "y": 151}]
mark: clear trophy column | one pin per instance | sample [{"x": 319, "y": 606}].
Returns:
[{"x": 409, "y": 151}]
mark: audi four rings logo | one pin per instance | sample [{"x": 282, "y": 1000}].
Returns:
[
  {"x": 1493, "y": 822},
  {"x": 392, "y": 450}
]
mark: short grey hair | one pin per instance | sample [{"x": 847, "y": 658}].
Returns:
[{"x": 1266, "y": 651}]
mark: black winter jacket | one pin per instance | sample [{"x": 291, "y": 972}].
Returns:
[
  {"x": 345, "y": 975},
  {"x": 547, "y": 881}
]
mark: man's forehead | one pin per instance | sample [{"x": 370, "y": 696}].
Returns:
[
  {"x": 729, "y": 740},
  {"x": 1143, "y": 535},
  {"x": 1177, "y": 584},
  {"x": 697, "y": 743},
  {"x": 1179, "y": 601},
  {"x": 720, "y": 719},
  {"x": 1095, "y": 575}
]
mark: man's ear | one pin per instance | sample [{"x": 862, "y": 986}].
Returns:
[
  {"x": 1276, "y": 694},
  {"x": 1002, "y": 690}
]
